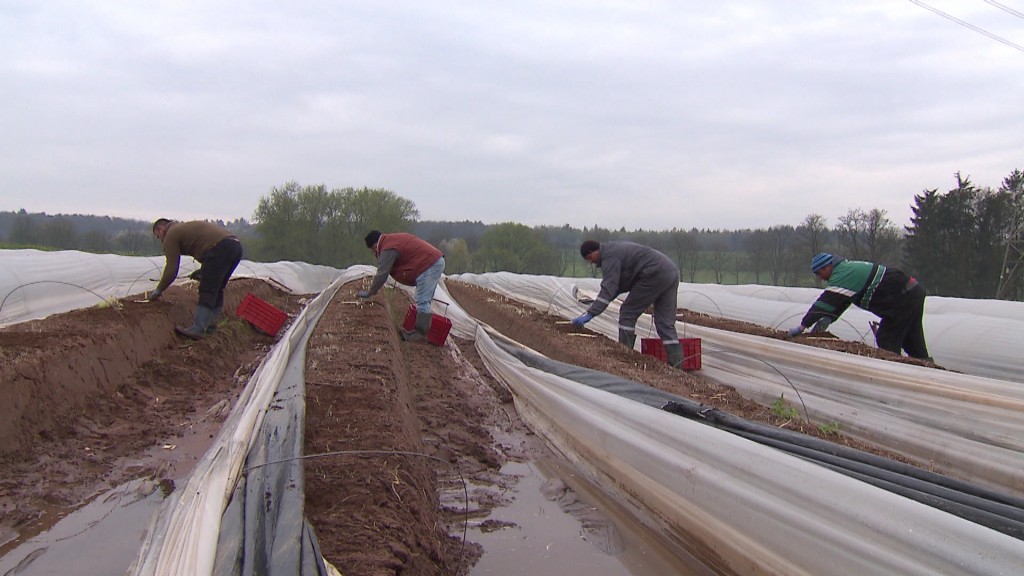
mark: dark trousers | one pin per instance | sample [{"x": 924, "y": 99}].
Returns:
[
  {"x": 218, "y": 264},
  {"x": 903, "y": 329},
  {"x": 661, "y": 290}
]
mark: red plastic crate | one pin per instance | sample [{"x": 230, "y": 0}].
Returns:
[
  {"x": 691, "y": 351},
  {"x": 439, "y": 326},
  {"x": 265, "y": 317}
]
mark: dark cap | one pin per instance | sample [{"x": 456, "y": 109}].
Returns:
[
  {"x": 587, "y": 247},
  {"x": 372, "y": 238}
]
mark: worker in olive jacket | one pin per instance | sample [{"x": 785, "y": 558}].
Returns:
[
  {"x": 218, "y": 252},
  {"x": 886, "y": 292},
  {"x": 410, "y": 261},
  {"x": 650, "y": 277}
]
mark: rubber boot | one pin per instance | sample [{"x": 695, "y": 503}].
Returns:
[
  {"x": 421, "y": 328},
  {"x": 423, "y": 322},
  {"x": 674, "y": 354},
  {"x": 627, "y": 338},
  {"x": 216, "y": 318},
  {"x": 197, "y": 330}
]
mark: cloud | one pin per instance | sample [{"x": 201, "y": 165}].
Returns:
[{"x": 639, "y": 114}]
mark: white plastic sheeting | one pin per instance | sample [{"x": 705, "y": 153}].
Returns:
[
  {"x": 739, "y": 506},
  {"x": 36, "y": 284},
  {"x": 980, "y": 337},
  {"x": 964, "y": 426}
]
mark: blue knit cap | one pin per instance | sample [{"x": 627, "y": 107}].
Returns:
[{"x": 820, "y": 260}]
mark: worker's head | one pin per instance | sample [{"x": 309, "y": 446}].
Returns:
[
  {"x": 372, "y": 238},
  {"x": 160, "y": 228},
  {"x": 821, "y": 265},
  {"x": 591, "y": 251}
]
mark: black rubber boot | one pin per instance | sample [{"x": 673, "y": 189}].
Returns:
[
  {"x": 674, "y": 355},
  {"x": 197, "y": 330},
  {"x": 627, "y": 338}
]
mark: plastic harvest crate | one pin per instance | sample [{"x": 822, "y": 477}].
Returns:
[
  {"x": 439, "y": 326},
  {"x": 265, "y": 317},
  {"x": 691, "y": 351}
]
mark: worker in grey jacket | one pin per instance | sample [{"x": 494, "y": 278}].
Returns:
[{"x": 649, "y": 276}]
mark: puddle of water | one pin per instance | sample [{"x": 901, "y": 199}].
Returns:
[
  {"x": 102, "y": 537},
  {"x": 556, "y": 524}
]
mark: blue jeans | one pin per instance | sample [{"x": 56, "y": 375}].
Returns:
[{"x": 426, "y": 283}]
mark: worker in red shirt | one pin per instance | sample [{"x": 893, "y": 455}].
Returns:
[{"x": 410, "y": 261}]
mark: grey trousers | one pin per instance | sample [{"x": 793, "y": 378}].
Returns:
[{"x": 660, "y": 290}]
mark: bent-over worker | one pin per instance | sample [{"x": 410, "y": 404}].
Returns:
[
  {"x": 887, "y": 292},
  {"x": 218, "y": 252},
  {"x": 410, "y": 261},
  {"x": 649, "y": 276}
]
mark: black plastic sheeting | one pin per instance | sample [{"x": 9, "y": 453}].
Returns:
[
  {"x": 264, "y": 529},
  {"x": 989, "y": 508}
]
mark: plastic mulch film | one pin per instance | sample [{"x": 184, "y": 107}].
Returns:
[
  {"x": 965, "y": 426},
  {"x": 739, "y": 506},
  {"x": 35, "y": 284}
]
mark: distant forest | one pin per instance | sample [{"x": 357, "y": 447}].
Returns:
[{"x": 966, "y": 242}]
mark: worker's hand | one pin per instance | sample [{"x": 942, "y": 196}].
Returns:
[
  {"x": 579, "y": 321},
  {"x": 822, "y": 325},
  {"x": 195, "y": 274},
  {"x": 154, "y": 295},
  {"x": 795, "y": 331},
  {"x": 363, "y": 294}
]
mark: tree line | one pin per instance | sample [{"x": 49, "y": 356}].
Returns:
[{"x": 966, "y": 242}]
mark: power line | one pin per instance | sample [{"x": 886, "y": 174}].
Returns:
[
  {"x": 968, "y": 25},
  {"x": 1005, "y": 8}
]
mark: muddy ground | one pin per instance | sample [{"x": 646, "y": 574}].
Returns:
[{"x": 395, "y": 430}]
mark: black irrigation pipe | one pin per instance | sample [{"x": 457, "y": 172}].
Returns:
[
  {"x": 1002, "y": 517},
  {"x": 989, "y": 508},
  {"x": 734, "y": 423}
]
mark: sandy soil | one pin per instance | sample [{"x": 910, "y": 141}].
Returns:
[{"x": 395, "y": 430}]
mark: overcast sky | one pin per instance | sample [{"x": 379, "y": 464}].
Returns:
[{"x": 709, "y": 114}]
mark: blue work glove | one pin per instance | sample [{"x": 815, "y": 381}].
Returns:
[
  {"x": 363, "y": 294},
  {"x": 795, "y": 331},
  {"x": 154, "y": 295},
  {"x": 579, "y": 321},
  {"x": 822, "y": 325}
]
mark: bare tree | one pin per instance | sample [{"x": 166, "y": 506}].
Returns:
[
  {"x": 881, "y": 238},
  {"x": 779, "y": 253},
  {"x": 684, "y": 248},
  {"x": 814, "y": 234},
  {"x": 718, "y": 256},
  {"x": 756, "y": 246},
  {"x": 851, "y": 233}
]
